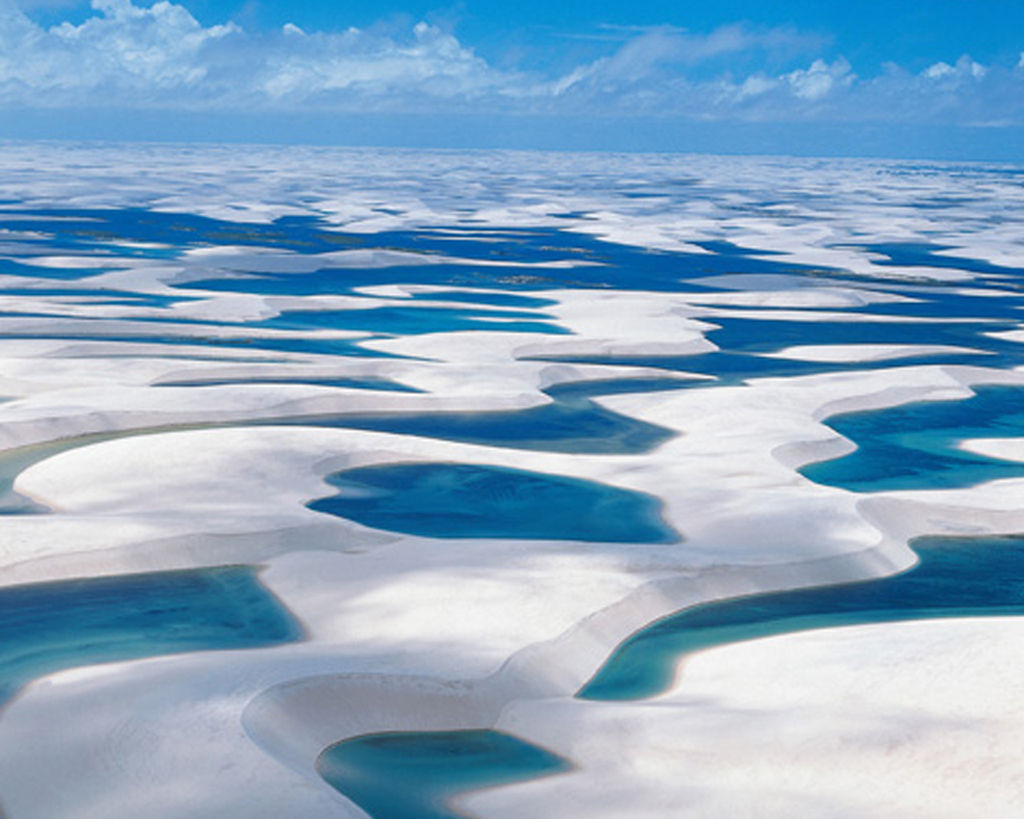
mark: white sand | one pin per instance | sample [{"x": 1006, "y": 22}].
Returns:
[{"x": 408, "y": 632}]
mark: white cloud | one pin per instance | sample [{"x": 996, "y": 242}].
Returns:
[
  {"x": 820, "y": 79},
  {"x": 939, "y": 70},
  {"x": 123, "y": 48},
  {"x": 658, "y": 50},
  {"x": 127, "y": 54},
  {"x": 965, "y": 68},
  {"x": 755, "y": 85},
  {"x": 130, "y": 56},
  {"x": 429, "y": 62}
]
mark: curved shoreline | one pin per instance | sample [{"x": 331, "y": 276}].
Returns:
[{"x": 409, "y": 632}]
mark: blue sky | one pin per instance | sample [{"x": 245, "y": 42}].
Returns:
[{"x": 942, "y": 78}]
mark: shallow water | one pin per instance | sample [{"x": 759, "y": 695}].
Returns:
[
  {"x": 15, "y": 461},
  {"x": 413, "y": 775},
  {"x": 47, "y": 627},
  {"x": 914, "y": 446},
  {"x": 415, "y": 320},
  {"x": 484, "y": 297},
  {"x": 956, "y": 577},
  {"x": 379, "y": 384},
  {"x": 311, "y": 345},
  {"x": 449, "y": 500},
  {"x": 573, "y": 425},
  {"x": 921, "y": 254}
]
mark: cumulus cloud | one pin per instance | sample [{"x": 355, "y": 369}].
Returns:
[
  {"x": 125, "y": 55},
  {"x": 965, "y": 68},
  {"x": 819, "y": 79},
  {"x": 755, "y": 85},
  {"x": 162, "y": 55}
]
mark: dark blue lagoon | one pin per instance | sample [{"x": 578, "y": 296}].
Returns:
[
  {"x": 914, "y": 446},
  {"x": 46, "y": 627},
  {"x": 413, "y": 775},
  {"x": 448, "y": 500},
  {"x": 956, "y": 577},
  {"x": 487, "y": 297},
  {"x": 919, "y": 254},
  {"x": 752, "y": 335}
]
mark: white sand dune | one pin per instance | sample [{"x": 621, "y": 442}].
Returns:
[{"x": 407, "y": 632}]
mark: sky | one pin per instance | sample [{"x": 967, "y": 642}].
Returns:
[{"x": 939, "y": 79}]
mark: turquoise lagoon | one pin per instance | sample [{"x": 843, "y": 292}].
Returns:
[
  {"x": 450, "y": 500},
  {"x": 915, "y": 446},
  {"x": 414, "y": 774},
  {"x": 570, "y": 422},
  {"x": 48, "y": 627},
  {"x": 409, "y": 775},
  {"x": 955, "y": 577}
]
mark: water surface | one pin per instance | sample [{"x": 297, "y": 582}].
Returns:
[
  {"x": 956, "y": 577},
  {"x": 915, "y": 446},
  {"x": 449, "y": 500},
  {"x": 47, "y": 627},
  {"x": 414, "y": 775}
]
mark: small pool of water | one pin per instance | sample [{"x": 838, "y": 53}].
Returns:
[
  {"x": 920, "y": 254},
  {"x": 312, "y": 345},
  {"x": 571, "y": 424},
  {"x": 416, "y": 320},
  {"x": 414, "y": 775},
  {"x": 956, "y": 577},
  {"x": 449, "y": 500},
  {"x": 379, "y": 384},
  {"x": 15, "y": 461},
  {"x": 914, "y": 446},
  {"x": 11, "y": 267},
  {"x": 752, "y": 335},
  {"x": 47, "y": 627},
  {"x": 486, "y": 297}
]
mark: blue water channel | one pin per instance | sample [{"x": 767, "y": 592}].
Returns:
[
  {"x": 955, "y": 577},
  {"x": 104, "y": 230},
  {"x": 571, "y": 422},
  {"x": 413, "y": 775},
  {"x": 377, "y": 384},
  {"x": 415, "y": 320},
  {"x": 47, "y": 627},
  {"x": 907, "y": 447},
  {"x": 449, "y": 500},
  {"x": 963, "y": 317},
  {"x": 914, "y": 446}
]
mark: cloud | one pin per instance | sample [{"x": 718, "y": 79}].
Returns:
[
  {"x": 965, "y": 68},
  {"x": 755, "y": 85},
  {"x": 160, "y": 57},
  {"x": 819, "y": 79},
  {"x": 654, "y": 52},
  {"x": 127, "y": 54},
  {"x": 125, "y": 48}
]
